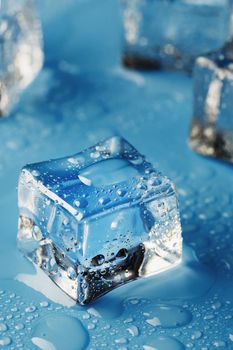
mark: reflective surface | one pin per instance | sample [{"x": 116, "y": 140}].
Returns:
[{"x": 72, "y": 105}]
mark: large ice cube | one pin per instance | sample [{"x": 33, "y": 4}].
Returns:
[
  {"x": 212, "y": 126},
  {"x": 171, "y": 33},
  {"x": 98, "y": 219},
  {"x": 21, "y": 55}
]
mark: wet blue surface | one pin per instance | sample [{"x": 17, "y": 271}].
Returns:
[{"x": 71, "y": 106}]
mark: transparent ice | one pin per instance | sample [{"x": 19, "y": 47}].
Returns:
[
  {"x": 98, "y": 219},
  {"x": 212, "y": 126},
  {"x": 21, "y": 55},
  {"x": 171, "y": 33}
]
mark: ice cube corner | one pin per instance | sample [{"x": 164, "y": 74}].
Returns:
[{"x": 98, "y": 219}]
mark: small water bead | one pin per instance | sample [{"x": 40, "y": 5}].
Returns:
[
  {"x": 75, "y": 160},
  {"x": 196, "y": 335},
  {"x": 121, "y": 193},
  {"x": 91, "y": 326},
  {"x": 104, "y": 200},
  {"x": 19, "y": 326},
  {"x": 72, "y": 274},
  {"x": 95, "y": 155},
  {"x": 133, "y": 330},
  {"x": 30, "y": 309},
  {"x": 3, "y": 327},
  {"x": 81, "y": 203},
  {"x": 121, "y": 340},
  {"x": 219, "y": 344},
  {"x": 5, "y": 341},
  {"x": 217, "y": 305},
  {"x": 137, "y": 160},
  {"x": 35, "y": 173},
  {"x": 44, "y": 303}
]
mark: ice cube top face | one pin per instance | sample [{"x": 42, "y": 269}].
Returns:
[
  {"x": 171, "y": 33},
  {"x": 20, "y": 50},
  {"x": 98, "y": 219},
  {"x": 212, "y": 126}
]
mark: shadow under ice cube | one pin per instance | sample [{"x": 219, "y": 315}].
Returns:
[
  {"x": 172, "y": 33},
  {"x": 212, "y": 126},
  {"x": 98, "y": 219},
  {"x": 21, "y": 55}
]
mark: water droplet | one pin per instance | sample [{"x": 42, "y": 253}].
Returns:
[
  {"x": 121, "y": 340},
  {"x": 3, "y": 327},
  {"x": 71, "y": 273},
  {"x": 98, "y": 260},
  {"x": 44, "y": 303},
  {"x": 30, "y": 309},
  {"x": 133, "y": 330},
  {"x": 35, "y": 173},
  {"x": 122, "y": 254},
  {"x": 219, "y": 344},
  {"x": 19, "y": 326},
  {"x": 121, "y": 193},
  {"x": 60, "y": 332},
  {"x": 91, "y": 326},
  {"x": 217, "y": 305},
  {"x": 95, "y": 154},
  {"x": 168, "y": 316},
  {"x": 81, "y": 203},
  {"x": 104, "y": 200},
  {"x": 5, "y": 341},
  {"x": 85, "y": 180},
  {"x": 196, "y": 335},
  {"x": 162, "y": 343}
]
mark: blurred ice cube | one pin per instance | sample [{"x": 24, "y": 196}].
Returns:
[
  {"x": 212, "y": 126},
  {"x": 172, "y": 33},
  {"x": 21, "y": 55}
]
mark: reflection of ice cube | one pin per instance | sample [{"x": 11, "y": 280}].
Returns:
[
  {"x": 98, "y": 219},
  {"x": 212, "y": 127},
  {"x": 21, "y": 55},
  {"x": 172, "y": 33}
]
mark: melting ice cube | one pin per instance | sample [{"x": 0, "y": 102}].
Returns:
[
  {"x": 21, "y": 55},
  {"x": 212, "y": 126},
  {"x": 171, "y": 33},
  {"x": 98, "y": 219}
]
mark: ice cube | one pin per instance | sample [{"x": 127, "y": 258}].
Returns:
[
  {"x": 98, "y": 219},
  {"x": 172, "y": 33},
  {"x": 21, "y": 55},
  {"x": 212, "y": 126}
]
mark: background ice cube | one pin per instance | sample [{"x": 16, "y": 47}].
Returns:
[
  {"x": 20, "y": 50},
  {"x": 174, "y": 32},
  {"x": 212, "y": 128}
]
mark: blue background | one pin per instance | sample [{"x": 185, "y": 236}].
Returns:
[{"x": 82, "y": 95}]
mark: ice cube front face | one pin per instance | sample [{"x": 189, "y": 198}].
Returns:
[
  {"x": 21, "y": 55},
  {"x": 212, "y": 125},
  {"x": 172, "y": 33},
  {"x": 98, "y": 219}
]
